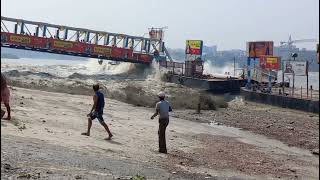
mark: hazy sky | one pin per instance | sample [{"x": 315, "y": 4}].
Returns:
[{"x": 226, "y": 23}]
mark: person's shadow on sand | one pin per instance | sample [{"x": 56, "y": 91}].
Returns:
[
  {"x": 113, "y": 142},
  {"x": 13, "y": 121},
  {"x": 3, "y": 123}
]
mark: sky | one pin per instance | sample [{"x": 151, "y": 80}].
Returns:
[{"x": 229, "y": 24}]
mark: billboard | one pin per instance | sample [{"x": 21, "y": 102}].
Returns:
[
  {"x": 298, "y": 68},
  {"x": 20, "y": 39},
  {"x": 259, "y": 48},
  {"x": 269, "y": 62},
  {"x": 194, "y": 47},
  {"x": 102, "y": 50},
  {"x": 25, "y": 40},
  {"x": 62, "y": 44}
]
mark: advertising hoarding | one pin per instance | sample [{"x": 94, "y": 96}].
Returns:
[
  {"x": 269, "y": 62},
  {"x": 298, "y": 68},
  {"x": 194, "y": 47},
  {"x": 259, "y": 48}
]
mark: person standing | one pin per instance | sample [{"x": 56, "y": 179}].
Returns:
[
  {"x": 5, "y": 97},
  {"x": 162, "y": 109},
  {"x": 97, "y": 112}
]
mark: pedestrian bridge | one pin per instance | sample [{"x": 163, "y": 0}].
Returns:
[{"x": 61, "y": 39}]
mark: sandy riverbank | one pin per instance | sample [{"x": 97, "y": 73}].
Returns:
[{"x": 43, "y": 140}]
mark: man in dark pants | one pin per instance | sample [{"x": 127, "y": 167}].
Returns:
[
  {"x": 97, "y": 111},
  {"x": 162, "y": 109}
]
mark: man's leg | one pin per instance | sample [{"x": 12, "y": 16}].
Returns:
[
  {"x": 101, "y": 120},
  {"x": 2, "y": 113},
  {"x": 8, "y": 111},
  {"x": 89, "y": 127},
  {"x": 162, "y": 135},
  {"x": 107, "y": 129}
]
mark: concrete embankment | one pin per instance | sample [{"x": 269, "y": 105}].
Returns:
[
  {"x": 217, "y": 85},
  {"x": 281, "y": 101}
]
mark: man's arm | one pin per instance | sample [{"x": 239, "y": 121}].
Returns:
[
  {"x": 95, "y": 101},
  {"x": 156, "y": 113},
  {"x": 170, "y": 109}
]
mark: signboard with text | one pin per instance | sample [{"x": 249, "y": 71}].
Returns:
[
  {"x": 259, "y": 48},
  {"x": 194, "y": 47},
  {"x": 269, "y": 62},
  {"x": 298, "y": 68}
]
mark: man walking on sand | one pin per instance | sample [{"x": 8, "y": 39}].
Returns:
[
  {"x": 5, "y": 97},
  {"x": 97, "y": 112},
  {"x": 162, "y": 109}
]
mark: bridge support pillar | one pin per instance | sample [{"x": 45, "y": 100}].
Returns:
[
  {"x": 132, "y": 43},
  {"x": 161, "y": 47},
  {"x": 114, "y": 41},
  {"x": 106, "y": 39},
  {"x": 87, "y": 36},
  {"x": 57, "y": 33},
  {"x": 44, "y": 31},
  {"x": 148, "y": 46},
  {"x": 66, "y": 34},
  {"x": 37, "y": 31},
  {"x": 96, "y": 38},
  {"x": 78, "y": 36},
  {"x": 22, "y": 28},
  {"x": 143, "y": 45},
  {"x": 16, "y": 28},
  {"x": 125, "y": 42}
]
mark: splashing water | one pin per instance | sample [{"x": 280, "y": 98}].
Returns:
[
  {"x": 237, "y": 102},
  {"x": 217, "y": 70},
  {"x": 93, "y": 67}
]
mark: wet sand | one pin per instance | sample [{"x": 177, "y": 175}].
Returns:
[{"x": 43, "y": 141}]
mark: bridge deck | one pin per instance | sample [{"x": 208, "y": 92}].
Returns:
[{"x": 59, "y": 39}]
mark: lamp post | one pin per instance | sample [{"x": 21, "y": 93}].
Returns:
[{"x": 294, "y": 55}]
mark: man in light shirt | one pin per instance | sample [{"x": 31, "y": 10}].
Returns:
[{"x": 162, "y": 109}]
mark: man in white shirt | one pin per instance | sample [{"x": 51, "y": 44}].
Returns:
[{"x": 162, "y": 109}]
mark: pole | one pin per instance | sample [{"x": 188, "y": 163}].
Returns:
[
  {"x": 282, "y": 81},
  {"x": 234, "y": 66},
  {"x": 311, "y": 92},
  {"x": 293, "y": 76},
  {"x": 254, "y": 67},
  {"x": 173, "y": 68},
  {"x": 294, "y": 59},
  {"x": 248, "y": 74},
  {"x": 269, "y": 83},
  {"x": 301, "y": 92},
  {"x": 307, "y": 79}
]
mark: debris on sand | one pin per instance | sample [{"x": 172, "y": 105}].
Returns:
[
  {"x": 138, "y": 177},
  {"x": 24, "y": 175},
  {"x": 22, "y": 127},
  {"x": 78, "y": 177},
  {"x": 315, "y": 152},
  {"x": 7, "y": 166}
]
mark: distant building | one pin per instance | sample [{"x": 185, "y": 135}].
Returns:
[
  {"x": 286, "y": 51},
  {"x": 210, "y": 50}
]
